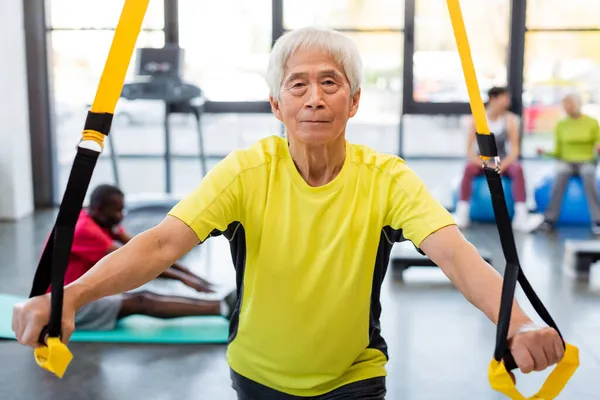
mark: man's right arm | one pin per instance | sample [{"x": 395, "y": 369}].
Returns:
[{"x": 141, "y": 260}]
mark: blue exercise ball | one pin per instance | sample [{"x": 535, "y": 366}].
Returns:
[
  {"x": 481, "y": 201},
  {"x": 574, "y": 208}
]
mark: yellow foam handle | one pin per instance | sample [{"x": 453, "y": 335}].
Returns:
[
  {"x": 54, "y": 357},
  {"x": 501, "y": 381}
]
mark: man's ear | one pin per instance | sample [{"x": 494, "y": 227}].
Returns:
[
  {"x": 275, "y": 108},
  {"x": 354, "y": 100}
]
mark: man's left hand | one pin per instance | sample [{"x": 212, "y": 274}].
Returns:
[{"x": 535, "y": 348}]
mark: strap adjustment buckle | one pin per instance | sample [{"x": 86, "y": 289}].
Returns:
[{"x": 488, "y": 149}]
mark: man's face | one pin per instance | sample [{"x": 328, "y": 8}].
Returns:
[
  {"x": 569, "y": 106},
  {"x": 315, "y": 102},
  {"x": 111, "y": 214}
]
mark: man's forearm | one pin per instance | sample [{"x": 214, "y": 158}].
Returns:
[
  {"x": 173, "y": 273},
  {"x": 138, "y": 262},
  {"x": 482, "y": 285}
]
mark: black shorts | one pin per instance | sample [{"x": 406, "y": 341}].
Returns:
[{"x": 369, "y": 389}]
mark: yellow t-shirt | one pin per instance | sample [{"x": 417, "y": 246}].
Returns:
[{"x": 309, "y": 260}]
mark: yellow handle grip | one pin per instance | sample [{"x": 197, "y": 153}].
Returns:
[
  {"x": 501, "y": 381},
  {"x": 54, "y": 357}
]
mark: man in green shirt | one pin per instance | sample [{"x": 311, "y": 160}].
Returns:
[{"x": 577, "y": 141}]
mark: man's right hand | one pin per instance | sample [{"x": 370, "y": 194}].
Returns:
[{"x": 31, "y": 316}]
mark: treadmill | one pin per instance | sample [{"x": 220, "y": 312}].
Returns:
[{"x": 158, "y": 77}]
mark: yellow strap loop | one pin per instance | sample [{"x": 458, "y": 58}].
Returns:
[
  {"x": 501, "y": 381},
  {"x": 498, "y": 376},
  {"x": 93, "y": 135},
  {"x": 55, "y": 356}
]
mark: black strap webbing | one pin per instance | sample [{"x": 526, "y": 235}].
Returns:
[
  {"x": 99, "y": 122},
  {"x": 53, "y": 263},
  {"x": 487, "y": 145},
  {"x": 512, "y": 274}
]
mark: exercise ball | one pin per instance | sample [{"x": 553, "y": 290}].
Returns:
[
  {"x": 574, "y": 208},
  {"x": 481, "y": 201}
]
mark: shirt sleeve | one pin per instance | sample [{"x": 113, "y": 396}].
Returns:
[
  {"x": 215, "y": 202},
  {"x": 412, "y": 208}
]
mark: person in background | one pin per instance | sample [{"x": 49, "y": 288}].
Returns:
[
  {"x": 576, "y": 144},
  {"x": 505, "y": 127},
  {"x": 99, "y": 232}
]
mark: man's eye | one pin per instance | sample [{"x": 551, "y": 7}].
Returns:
[
  {"x": 297, "y": 85},
  {"x": 328, "y": 82}
]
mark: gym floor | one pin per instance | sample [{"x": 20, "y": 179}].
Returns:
[{"x": 440, "y": 345}]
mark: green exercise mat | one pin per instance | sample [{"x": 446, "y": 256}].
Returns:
[{"x": 136, "y": 328}]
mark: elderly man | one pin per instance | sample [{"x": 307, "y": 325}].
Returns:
[
  {"x": 311, "y": 220},
  {"x": 577, "y": 142}
]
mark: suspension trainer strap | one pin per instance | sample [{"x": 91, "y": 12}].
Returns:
[
  {"x": 54, "y": 355},
  {"x": 503, "y": 360}
]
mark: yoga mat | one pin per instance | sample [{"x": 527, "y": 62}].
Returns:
[{"x": 136, "y": 328}]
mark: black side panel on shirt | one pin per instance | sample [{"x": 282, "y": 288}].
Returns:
[
  {"x": 387, "y": 239},
  {"x": 236, "y": 235}
]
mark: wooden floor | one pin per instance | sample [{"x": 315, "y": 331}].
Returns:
[{"x": 439, "y": 344}]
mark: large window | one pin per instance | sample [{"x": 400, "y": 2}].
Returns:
[
  {"x": 376, "y": 122},
  {"x": 80, "y": 36},
  {"x": 78, "y": 14},
  {"x": 437, "y": 70},
  {"x": 227, "y": 46},
  {"x": 344, "y": 14},
  {"x": 560, "y": 14},
  {"x": 561, "y": 57}
]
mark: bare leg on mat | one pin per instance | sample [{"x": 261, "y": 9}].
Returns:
[{"x": 159, "y": 306}]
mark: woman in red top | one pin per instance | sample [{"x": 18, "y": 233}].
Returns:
[{"x": 99, "y": 232}]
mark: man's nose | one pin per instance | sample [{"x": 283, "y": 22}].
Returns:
[{"x": 315, "y": 97}]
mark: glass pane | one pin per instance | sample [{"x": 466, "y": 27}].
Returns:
[
  {"x": 435, "y": 135},
  {"x": 556, "y": 14},
  {"x": 136, "y": 176},
  {"x": 376, "y": 122},
  {"x": 438, "y": 75},
  {"x": 74, "y": 14},
  {"x": 227, "y": 46},
  {"x": 352, "y": 14},
  {"x": 557, "y": 63},
  {"x": 76, "y": 64}
]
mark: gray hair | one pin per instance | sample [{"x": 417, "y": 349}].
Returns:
[
  {"x": 341, "y": 48},
  {"x": 576, "y": 99}
]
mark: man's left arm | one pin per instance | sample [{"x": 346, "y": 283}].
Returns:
[
  {"x": 176, "y": 271},
  {"x": 533, "y": 348},
  {"x": 429, "y": 226}
]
